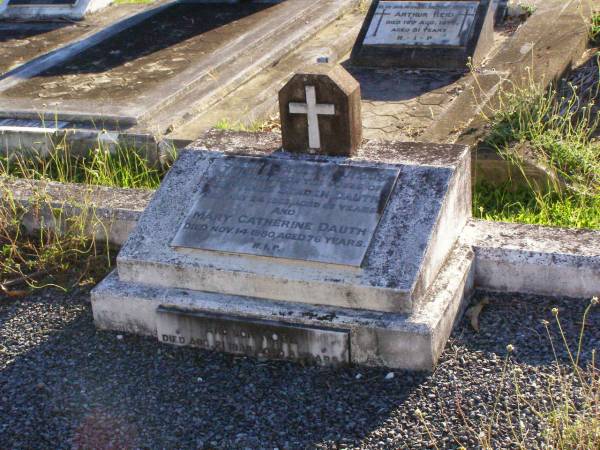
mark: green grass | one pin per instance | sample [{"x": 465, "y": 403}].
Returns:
[
  {"x": 271, "y": 124},
  {"x": 67, "y": 250},
  {"x": 526, "y": 205},
  {"x": 119, "y": 167},
  {"x": 595, "y": 29},
  {"x": 556, "y": 131}
]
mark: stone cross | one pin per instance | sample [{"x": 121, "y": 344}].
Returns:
[
  {"x": 381, "y": 16},
  {"x": 312, "y": 109},
  {"x": 320, "y": 112}
]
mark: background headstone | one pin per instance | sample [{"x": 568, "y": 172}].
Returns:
[
  {"x": 425, "y": 33},
  {"x": 320, "y": 112},
  {"x": 42, "y": 9}
]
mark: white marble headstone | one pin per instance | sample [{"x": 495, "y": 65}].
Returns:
[
  {"x": 418, "y": 23},
  {"x": 43, "y": 9}
]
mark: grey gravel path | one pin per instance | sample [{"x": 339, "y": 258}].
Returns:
[{"x": 65, "y": 385}]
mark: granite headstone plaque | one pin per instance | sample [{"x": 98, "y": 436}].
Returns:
[
  {"x": 305, "y": 210},
  {"x": 253, "y": 337},
  {"x": 425, "y": 33}
]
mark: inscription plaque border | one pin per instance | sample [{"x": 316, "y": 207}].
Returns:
[
  {"x": 291, "y": 337},
  {"x": 304, "y": 250}
]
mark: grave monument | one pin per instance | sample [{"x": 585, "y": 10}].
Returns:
[
  {"x": 428, "y": 34},
  {"x": 250, "y": 249},
  {"x": 44, "y": 9}
]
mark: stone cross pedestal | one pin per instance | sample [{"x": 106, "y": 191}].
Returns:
[{"x": 320, "y": 112}]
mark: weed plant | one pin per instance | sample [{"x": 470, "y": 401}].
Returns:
[
  {"x": 595, "y": 29},
  {"x": 556, "y": 131},
  {"x": 567, "y": 402},
  {"x": 63, "y": 253},
  {"x": 271, "y": 124},
  {"x": 118, "y": 167},
  {"x": 66, "y": 250},
  {"x": 572, "y": 418}
]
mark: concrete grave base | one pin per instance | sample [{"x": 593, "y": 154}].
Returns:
[
  {"x": 413, "y": 341},
  {"x": 393, "y": 303}
]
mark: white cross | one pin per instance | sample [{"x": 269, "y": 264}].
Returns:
[{"x": 312, "y": 110}]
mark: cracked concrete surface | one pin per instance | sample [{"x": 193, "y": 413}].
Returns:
[{"x": 400, "y": 104}]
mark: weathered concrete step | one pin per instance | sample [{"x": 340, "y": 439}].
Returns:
[
  {"x": 230, "y": 67},
  {"x": 412, "y": 341},
  {"x": 537, "y": 260},
  {"x": 256, "y": 99}
]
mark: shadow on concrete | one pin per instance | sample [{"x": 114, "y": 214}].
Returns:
[
  {"x": 14, "y": 30},
  {"x": 391, "y": 85},
  {"x": 165, "y": 29}
]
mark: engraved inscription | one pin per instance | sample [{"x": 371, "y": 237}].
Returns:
[
  {"x": 289, "y": 209},
  {"x": 418, "y": 23},
  {"x": 251, "y": 337}
]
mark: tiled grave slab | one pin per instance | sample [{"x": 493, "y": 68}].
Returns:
[{"x": 424, "y": 215}]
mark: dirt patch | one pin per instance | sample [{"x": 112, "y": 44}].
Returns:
[{"x": 136, "y": 60}]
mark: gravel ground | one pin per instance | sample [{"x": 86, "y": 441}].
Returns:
[{"x": 65, "y": 385}]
